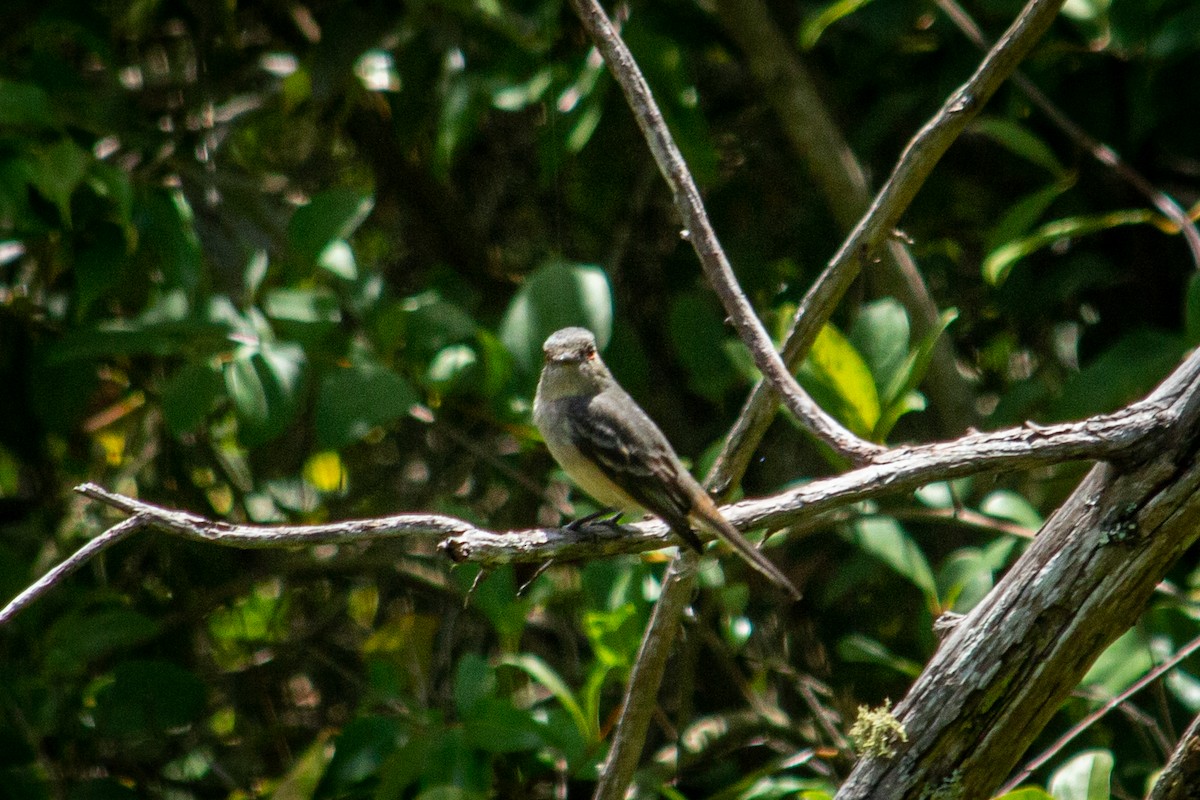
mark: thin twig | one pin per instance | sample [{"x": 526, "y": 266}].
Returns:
[
  {"x": 703, "y": 239},
  {"x": 1098, "y": 150},
  {"x": 1092, "y": 718},
  {"x": 122, "y": 530},
  {"x": 638, "y": 706}
]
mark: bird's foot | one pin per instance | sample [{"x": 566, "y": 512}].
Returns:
[{"x": 596, "y": 518}]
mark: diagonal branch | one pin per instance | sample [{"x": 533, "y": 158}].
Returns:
[
  {"x": 700, "y": 233},
  {"x": 809, "y": 127},
  {"x": 915, "y": 164}
]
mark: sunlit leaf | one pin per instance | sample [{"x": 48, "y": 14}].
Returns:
[
  {"x": 266, "y": 383},
  {"x": 1000, "y": 261},
  {"x": 1084, "y": 777},
  {"x": 838, "y": 378},
  {"x": 1006, "y": 504},
  {"x": 545, "y": 675},
  {"x": 811, "y": 30}
]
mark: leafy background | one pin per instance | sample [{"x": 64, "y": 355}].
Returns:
[{"x": 274, "y": 262}]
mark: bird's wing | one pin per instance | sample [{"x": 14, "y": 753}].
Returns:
[{"x": 626, "y": 444}]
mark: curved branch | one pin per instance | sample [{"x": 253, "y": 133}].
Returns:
[
  {"x": 1122, "y": 436},
  {"x": 700, "y": 233},
  {"x": 1125, "y": 435}
]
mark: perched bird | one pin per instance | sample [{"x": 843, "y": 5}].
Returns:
[{"x": 605, "y": 442}]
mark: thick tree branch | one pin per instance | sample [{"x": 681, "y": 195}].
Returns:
[
  {"x": 1181, "y": 775},
  {"x": 1007, "y": 666},
  {"x": 703, "y": 238}
]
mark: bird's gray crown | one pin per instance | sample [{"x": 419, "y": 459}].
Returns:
[{"x": 570, "y": 345}]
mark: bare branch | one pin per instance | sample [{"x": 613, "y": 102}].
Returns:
[
  {"x": 648, "y": 668},
  {"x": 704, "y": 239},
  {"x": 915, "y": 164},
  {"x": 198, "y": 528},
  {"x": 58, "y": 574},
  {"x": 1124, "y": 435}
]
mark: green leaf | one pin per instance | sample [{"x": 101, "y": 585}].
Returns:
[
  {"x": 884, "y": 538},
  {"x": 1000, "y": 261},
  {"x": 550, "y": 680},
  {"x": 859, "y": 649},
  {"x": 266, "y": 384},
  {"x": 359, "y": 751},
  {"x": 556, "y": 295},
  {"x": 99, "y": 266},
  {"x": 495, "y": 726},
  {"x": 1085, "y": 777},
  {"x": 352, "y": 400},
  {"x": 963, "y": 579},
  {"x": 1006, "y": 504},
  {"x": 1122, "y": 663},
  {"x": 60, "y": 168},
  {"x": 76, "y": 640},
  {"x": 880, "y": 333},
  {"x": 838, "y": 379},
  {"x": 167, "y": 238},
  {"x": 1026, "y": 793},
  {"x": 149, "y": 698},
  {"x": 189, "y": 396},
  {"x": 1126, "y": 371},
  {"x": 303, "y": 306},
  {"x": 331, "y": 216},
  {"x": 424, "y": 324},
  {"x": 1020, "y": 141},
  {"x": 901, "y": 396},
  {"x": 811, "y": 30},
  {"x": 452, "y": 367},
  {"x": 1024, "y": 214},
  {"x": 474, "y": 680}
]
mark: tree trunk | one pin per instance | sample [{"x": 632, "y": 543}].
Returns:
[{"x": 1006, "y": 668}]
